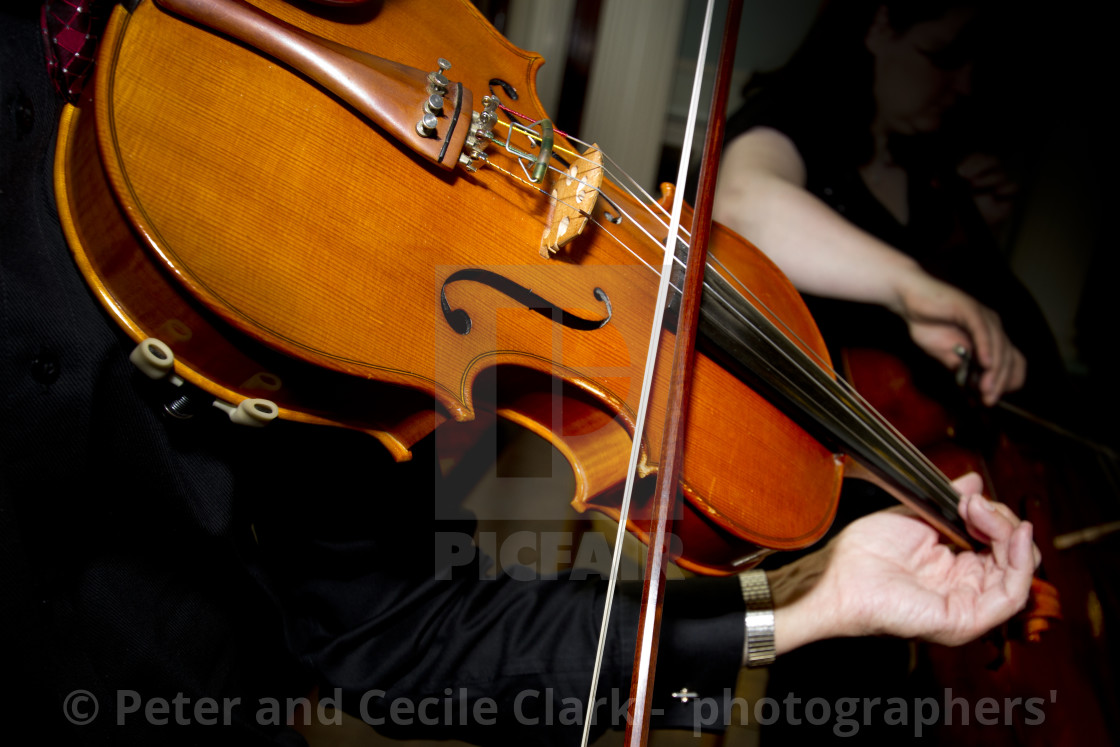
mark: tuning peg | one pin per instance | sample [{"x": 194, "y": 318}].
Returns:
[{"x": 437, "y": 81}]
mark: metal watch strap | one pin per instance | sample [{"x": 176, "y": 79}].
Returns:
[{"x": 758, "y": 644}]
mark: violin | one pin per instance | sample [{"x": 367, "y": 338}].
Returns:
[
  {"x": 315, "y": 264},
  {"x": 317, "y": 217}
]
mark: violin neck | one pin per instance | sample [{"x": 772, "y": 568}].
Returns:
[{"x": 734, "y": 331}]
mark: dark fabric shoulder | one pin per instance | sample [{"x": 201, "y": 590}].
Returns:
[
  {"x": 122, "y": 575},
  {"x": 764, "y": 108},
  {"x": 826, "y": 139}
]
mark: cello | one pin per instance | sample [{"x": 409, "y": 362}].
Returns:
[
  {"x": 185, "y": 237},
  {"x": 1036, "y": 470}
]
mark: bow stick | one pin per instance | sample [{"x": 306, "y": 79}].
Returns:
[{"x": 672, "y": 448}]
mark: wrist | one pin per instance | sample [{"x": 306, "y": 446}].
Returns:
[
  {"x": 801, "y": 615},
  {"x": 903, "y": 277}
]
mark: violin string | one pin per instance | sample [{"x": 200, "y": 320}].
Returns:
[
  {"x": 527, "y": 118},
  {"x": 622, "y": 178},
  {"x": 591, "y": 218},
  {"x": 906, "y": 453},
  {"x": 904, "y": 450},
  {"x": 831, "y": 388},
  {"x": 760, "y": 305},
  {"x": 619, "y": 176},
  {"x": 897, "y": 445},
  {"x": 900, "y": 445},
  {"x": 639, "y": 418}
]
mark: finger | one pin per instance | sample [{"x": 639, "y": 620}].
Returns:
[
  {"x": 944, "y": 319},
  {"x": 1005, "y": 511},
  {"x": 970, "y": 508},
  {"x": 1019, "y": 372},
  {"x": 1010, "y": 376},
  {"x": 993, "y": 526},
  {"x": 1008, "y": 370},
  {"x": 989, "y": 180},
  {"x": 1007, "y": 190},
  {"x": 1022, "y": 559},
  {"x": 992, "y": 383},
  {"x": 990, "y": 356},
  {"x": 1009, "y": 595},
  {"x": 962, "y": 506},
  {"x": 967, "y": 485},
  {"x": 996, "y": 519},
  {"x": 943, "y": 342},
  {"x": 985, "y": 344},
  {"x": 976, "y": 165},
  {"x": 971, "y": 487},
  {"x": 995, "y": 363}
]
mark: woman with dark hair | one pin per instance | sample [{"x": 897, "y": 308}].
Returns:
[{"x": 843, "y": 168}]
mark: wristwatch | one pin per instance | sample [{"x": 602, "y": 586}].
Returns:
[{"x": 758, "y": 644}]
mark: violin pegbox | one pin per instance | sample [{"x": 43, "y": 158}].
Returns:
[{"x": 574, "y": 193}]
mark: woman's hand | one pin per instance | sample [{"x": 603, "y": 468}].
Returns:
[
  {"x": 943, "y": 321},
  {"x": 993, "y": 190},
  {"x": 890, "y": 574}
]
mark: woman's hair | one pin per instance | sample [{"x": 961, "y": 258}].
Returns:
[{"x": 828, "y": 81}]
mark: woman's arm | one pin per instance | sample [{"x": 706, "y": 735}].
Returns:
[{"x": 761, "y": 195}]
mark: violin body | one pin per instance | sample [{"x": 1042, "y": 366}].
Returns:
[
  {"x": 286, "y": 247},
  {"x": 1055, "y": 655}
]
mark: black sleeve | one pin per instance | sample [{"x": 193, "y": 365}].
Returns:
[
  {"x": 405, "y": 620},
  {"x": 768, "y": 108}
]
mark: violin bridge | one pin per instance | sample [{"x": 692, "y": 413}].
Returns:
[{"x": 573, "y": 197}]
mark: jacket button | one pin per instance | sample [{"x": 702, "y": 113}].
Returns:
[
  {"x": 45, "y": 366},
  {"x": 22, "y": 114}
]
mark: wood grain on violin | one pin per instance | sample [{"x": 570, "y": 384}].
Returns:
[
  {"x": 287, "y": 238},
  {"x": 274, "y": 219}
]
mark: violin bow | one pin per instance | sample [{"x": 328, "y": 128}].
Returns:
[{"x": 672, "y": 444}]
